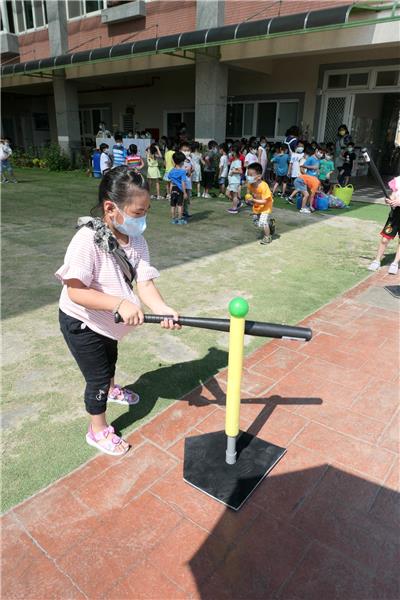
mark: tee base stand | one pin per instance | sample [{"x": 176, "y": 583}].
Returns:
[{"x": 205, "y": 467}]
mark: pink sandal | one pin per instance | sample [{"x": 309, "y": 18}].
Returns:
[
  {"x": 121, "y": 395},
  {"x": 111, "y": 444}
]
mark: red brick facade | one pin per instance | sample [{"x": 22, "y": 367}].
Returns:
[{"x": 163, "y": 18}]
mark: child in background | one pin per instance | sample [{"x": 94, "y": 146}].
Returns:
[
  {"x": 188, "y": 166},
  {"x": 223, "y": 169},
  {"x": 390, "y": 230},
  {"x": 326, "y": 169},
  {"x": 177, "y": 177},
  {"x": 251, "y": 156},
  {"x": 95, "y": 162},
  {"x": 234, "y": 176},
  {"x": 95, "y": 289},
  {"x": 259, "y": 194},
  {"x": 105, "y": 158},
  {"x": 153, "y": 172},
  {"x": 296, "y": 160},
  {"x": 6, "y": 167},
  {"x": 349, "y": 156},
  {"x": 281, "y": 159},
  {"x": 209, "y": 161},
  {"x": 196, "y": 160},
  {"x": 308, "y": 186},
  {"x": 169, "y": 164},
  {"x": 118, "y": 151},
  {"x": 133, "y": 160},
  {"x": 311, "y": 164}
]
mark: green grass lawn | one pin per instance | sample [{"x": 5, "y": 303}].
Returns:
[{"x": 203, "y": 265}]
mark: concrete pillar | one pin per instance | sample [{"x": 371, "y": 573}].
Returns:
[
  {"x": 211, "y": 78},
  {"x": 65, "y": 93},
  {"x": 58, "y": 32},
  {"x": 67, "y": 114}
]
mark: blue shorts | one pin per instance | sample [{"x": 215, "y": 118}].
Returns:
[
  {"x": 222, "y": 181},
  {"x": 299, "y": 185}
]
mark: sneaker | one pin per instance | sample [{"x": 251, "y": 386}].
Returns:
[
  {"x": 232, "y": 211},
  {"x": 207, "y": 196},
  {"x": 375, "y": 265},
  {"x": 393, "y": 269},
  {"x": 305, "y": 211},
  {"x": 152, "y": 197},
  {"x": 174, "y": 221},
  {"x": 160, "y": 198},
  {"x": 267, "y": 239},
  {"x": 221, "y": 195},
  {"x": 181, "y": 222},
  {"x": 120, "y": 395},
  {"x": 290, "y": 200},
  {"x": 168, "y": 197}
]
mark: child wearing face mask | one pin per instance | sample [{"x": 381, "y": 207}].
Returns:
[
  {"x": 259, "y": 194},
  {"x": 296, "y": 160},
  {"x": 188, "y": 165},
  {"x": 107, "y": 271},
  {"x": 326, "y": 170},
  {"x": 349, "y": 156},
  {"x": 281, "y": 159}
]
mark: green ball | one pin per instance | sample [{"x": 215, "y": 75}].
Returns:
[{"x": 238, "y": 307}]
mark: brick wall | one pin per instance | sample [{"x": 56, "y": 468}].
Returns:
[
  {"x": 254, "y": 10},
  {"x": 163, "y": 18}
]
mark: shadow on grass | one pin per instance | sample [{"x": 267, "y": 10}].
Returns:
[{"x": 172, "y": 383}]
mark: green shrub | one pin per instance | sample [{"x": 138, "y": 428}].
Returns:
[{"x": 56, "y": 159}]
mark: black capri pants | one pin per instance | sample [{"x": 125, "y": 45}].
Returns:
[{"x": 96, "y": 356}]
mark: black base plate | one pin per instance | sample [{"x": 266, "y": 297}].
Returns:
[
  {"x": 205, "y": 467},
  {"x": 394, "y": 290}
]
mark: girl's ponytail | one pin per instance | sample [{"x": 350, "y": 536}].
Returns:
[{"x": 117, "y": 185}]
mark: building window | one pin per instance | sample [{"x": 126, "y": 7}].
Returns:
[
  {"x": 81, "y": 8},
  {"x": 272, "y": 118},
  {"x": 19, "y": 16},
  {"x": 338, "y": 80},
  {"x": 358, "y": 79},
  {"x": 387, "y": 78}
]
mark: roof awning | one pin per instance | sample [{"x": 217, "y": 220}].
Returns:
[{"x": 306, "y": 22}]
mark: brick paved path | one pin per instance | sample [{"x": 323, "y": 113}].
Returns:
[{"x": 323, "y": 524}]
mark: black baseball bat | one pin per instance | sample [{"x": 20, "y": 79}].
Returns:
[
  {"x": 375, "y": 171},
  {"x": 251, "y": 327}
]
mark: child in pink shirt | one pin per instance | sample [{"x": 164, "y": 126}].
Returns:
[{"x": 103, "y": 260}]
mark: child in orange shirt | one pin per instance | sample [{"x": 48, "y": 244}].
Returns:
[{"x": 259, "y": 194}]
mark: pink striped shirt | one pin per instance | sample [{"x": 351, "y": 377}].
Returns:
[{"x": 98, "y": 270}]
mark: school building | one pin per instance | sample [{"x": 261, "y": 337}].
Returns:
[{"x": 227, "y": 68}]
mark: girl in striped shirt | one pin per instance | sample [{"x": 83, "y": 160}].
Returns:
[
  {"x": 104, "y": 258},
  {"x": 133, "y": 160}
]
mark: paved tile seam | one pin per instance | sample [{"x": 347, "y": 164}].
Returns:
[
  {"x": 361, "y": 474},
  {"x": 46, "y": 554},
  {"x": 142, "y": 490},
  {"x": 280, "y": 589}
]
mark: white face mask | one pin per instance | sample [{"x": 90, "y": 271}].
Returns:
[
  {"x": 250, "y": 178},
  {"x": 132, "y": 226},
  {"x": 350, "y": 148},
  {"x": 299, "y": 150},
  {"x": 187, "y": 153}
]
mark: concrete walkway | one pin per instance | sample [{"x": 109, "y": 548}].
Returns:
[{"x": 323, "y": 524}]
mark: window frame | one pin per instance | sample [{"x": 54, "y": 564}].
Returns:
[
  {"x": 84, "y": 14},
  {"x": 25, "y": 29},
  {"x": 372, "y": 78},
  {"x": 277, "y": 101}
]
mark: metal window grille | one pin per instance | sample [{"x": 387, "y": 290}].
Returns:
[{"x": 334, "y": 117}]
